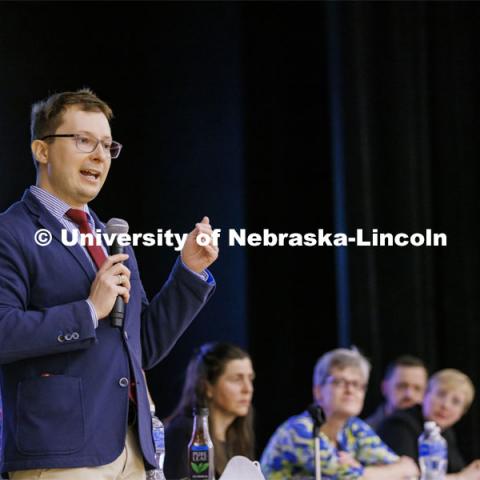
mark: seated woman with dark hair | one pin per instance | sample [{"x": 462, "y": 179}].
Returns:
[
  {"x": 220, "y": 377},
  {"x": 449, "y": 395}
]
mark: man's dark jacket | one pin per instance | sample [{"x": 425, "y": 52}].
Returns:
[{"x": 64, "y": 383}]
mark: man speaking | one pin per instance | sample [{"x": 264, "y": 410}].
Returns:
[{"x": 74, "y": 396}]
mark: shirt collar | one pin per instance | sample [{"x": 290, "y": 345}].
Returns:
[{"x": 58, "y": 208}]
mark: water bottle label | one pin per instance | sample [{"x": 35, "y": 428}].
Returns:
[
  {"x": 158, "y": 440},
  {"x": 437, "y": 450}
]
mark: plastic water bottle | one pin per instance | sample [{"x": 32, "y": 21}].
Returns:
[
  {"x": 158, "y": 433},
  {"x": 432, "y": 453}
]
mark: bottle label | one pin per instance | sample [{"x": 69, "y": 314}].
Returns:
[
  {"x": 199, "y": 462},
  {"x": 431, "y": 449},
  {"x": 158, "y": 439}
]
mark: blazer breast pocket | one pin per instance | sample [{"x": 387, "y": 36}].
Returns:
[{"x": 50, "y": 415}]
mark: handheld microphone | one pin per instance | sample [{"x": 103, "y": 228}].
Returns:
[
  {"x": 117, "y": 226},
  {"x": 318, "y": 417}
]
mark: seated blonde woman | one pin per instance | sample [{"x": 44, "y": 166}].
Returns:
[
  {"x": 449, "y": 395},
  {"x": 349, "y": 448}
]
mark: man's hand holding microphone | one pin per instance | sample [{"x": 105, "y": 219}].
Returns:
[{"x": 113, "y": 278}]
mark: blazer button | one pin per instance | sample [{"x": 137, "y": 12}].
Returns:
[
  {"x": 75, "y": 335},
  {"x": 68, "y": 337},
  {"x": 123, "y": 382},
  {"x": 60, "y": 338}
]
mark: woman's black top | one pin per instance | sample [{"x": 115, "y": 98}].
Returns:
[{"x": 400, "y": 431}]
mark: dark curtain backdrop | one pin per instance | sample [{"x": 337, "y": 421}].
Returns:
[
  {"x": 292, "y": 117},
  {"x": 410, "y": 76}
]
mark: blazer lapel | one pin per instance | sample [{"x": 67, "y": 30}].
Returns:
[{"x": 48, "y": 221}]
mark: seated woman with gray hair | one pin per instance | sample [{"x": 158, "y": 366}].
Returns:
[
  {"x": 349, "y": 448},
  {"x": 449, "y": 395}
]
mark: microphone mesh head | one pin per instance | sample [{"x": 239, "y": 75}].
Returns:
[{"x": 117, "y": 225}]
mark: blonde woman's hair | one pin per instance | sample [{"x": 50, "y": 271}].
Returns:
[{"x": 452, "y": 379}]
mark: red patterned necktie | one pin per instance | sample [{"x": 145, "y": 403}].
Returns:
[{"x": 96, "y": 251}]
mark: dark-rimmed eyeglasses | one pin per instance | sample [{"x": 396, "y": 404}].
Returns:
[
  {"x": 87, "y": 143},
  {"x": 343, "y": 383}
]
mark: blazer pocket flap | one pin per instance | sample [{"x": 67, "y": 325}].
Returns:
[{"x": 50, "y": 415}]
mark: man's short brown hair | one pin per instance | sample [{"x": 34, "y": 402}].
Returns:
[
  {"x": 47, "y": 114},
  {"x": 404, "y": 361}
]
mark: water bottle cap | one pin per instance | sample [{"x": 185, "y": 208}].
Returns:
[{"x": 430, "y": 426}]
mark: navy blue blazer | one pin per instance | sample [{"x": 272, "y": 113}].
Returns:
[{"x": 64, "y": 383}]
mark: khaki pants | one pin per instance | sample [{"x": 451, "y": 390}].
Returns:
[{"x": 128, "y": 466}]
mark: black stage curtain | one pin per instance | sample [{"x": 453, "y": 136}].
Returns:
[
  {"x": 291, "y": 290},
  {"x": 406, "y": 78},
  {"x": 291, "y": 116}
]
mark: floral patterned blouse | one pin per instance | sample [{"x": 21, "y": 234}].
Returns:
[{"x": 290, "y": 451}]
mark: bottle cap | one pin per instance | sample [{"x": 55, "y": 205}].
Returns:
[
  {"x": 430, "y": 426},
  {"x": 201, "y": 411}
]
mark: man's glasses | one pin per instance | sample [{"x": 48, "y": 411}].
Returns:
[
  {"x": 87, "y": 143},
  {"x": 344, "y": 383}
]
